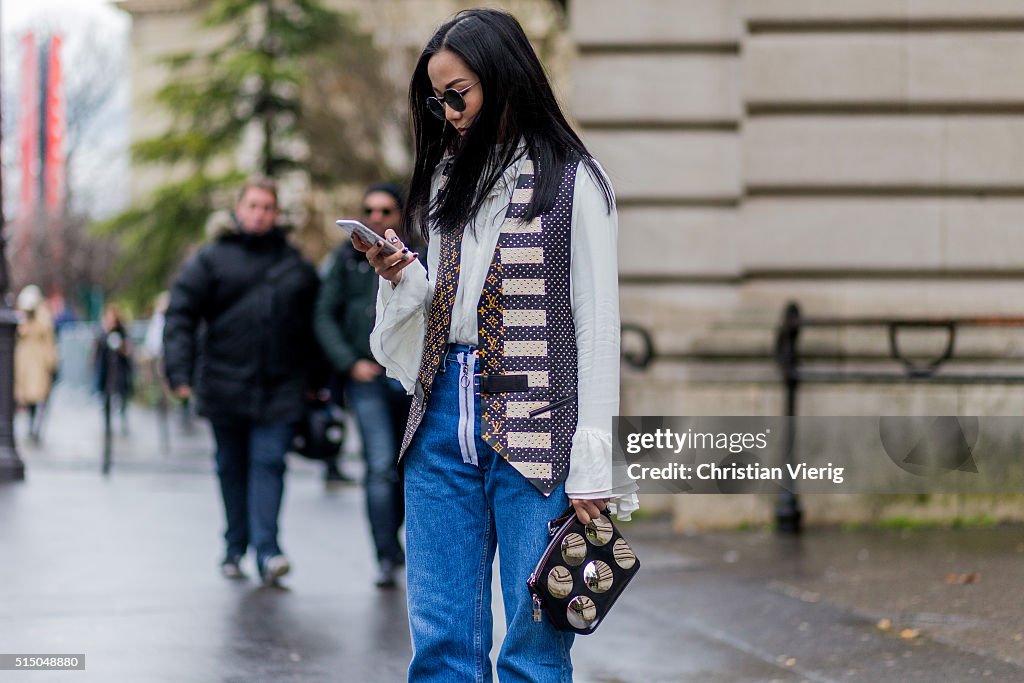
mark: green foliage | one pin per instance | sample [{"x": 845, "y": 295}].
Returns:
[
  {"x": 152, "y": 239},
  {"x": 254, "y": 77},
  {"x": 285, "y": 70}
]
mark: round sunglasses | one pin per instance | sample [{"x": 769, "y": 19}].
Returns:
[{"x": 452, "y": 97}]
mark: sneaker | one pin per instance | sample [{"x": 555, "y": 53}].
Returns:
[
  {"x": 274, "y": 568},
  {"x": 386, "y": 574},
  {"x": 231, "y": 567}
]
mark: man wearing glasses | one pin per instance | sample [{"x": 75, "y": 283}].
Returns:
[{"x": 344, "y": 317}]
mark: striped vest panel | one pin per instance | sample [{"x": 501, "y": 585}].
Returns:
[{"x": 526, "y": 328}]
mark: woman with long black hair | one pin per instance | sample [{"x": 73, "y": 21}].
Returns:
[{"x": 508, "y": 341}]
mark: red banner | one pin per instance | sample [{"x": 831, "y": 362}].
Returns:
[{"x": 53, "y": 182}]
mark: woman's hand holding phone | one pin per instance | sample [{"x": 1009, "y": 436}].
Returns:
[{"x": 387, "y": 263}]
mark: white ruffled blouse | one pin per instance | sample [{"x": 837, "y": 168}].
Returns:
[{"x": 397, "y": 338}]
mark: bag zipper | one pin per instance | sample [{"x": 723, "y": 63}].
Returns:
[{"x": 555, "y": 527}]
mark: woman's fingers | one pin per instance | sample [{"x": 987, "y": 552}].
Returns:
[
  {"x": 392, "y": 237},
  {"x": 394, "y": 273},
  {"x": 587, "y": 510},
  {"x": 359, "y": 244},
  {"x": 387, "y": 264}
]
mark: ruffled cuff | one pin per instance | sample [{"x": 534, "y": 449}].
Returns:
[
  {"x": 397, "y": 338},
  {"x": 593, "y": 475},
  {"x": 623, "y": 507},
  {"x": 397, "y": 302}
]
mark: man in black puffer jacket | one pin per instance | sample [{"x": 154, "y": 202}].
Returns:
[{"x": 239, "y": 329}]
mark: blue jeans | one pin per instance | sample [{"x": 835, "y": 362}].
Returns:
[
  {"x": 251, "y": 466},
  {"x": 381, "y": 408},
  {"x": 456, "y": 514}
]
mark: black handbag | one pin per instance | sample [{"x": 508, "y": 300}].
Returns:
[
  {"x": 582, "y": 572},
  {"x": 320, "y": 432}
]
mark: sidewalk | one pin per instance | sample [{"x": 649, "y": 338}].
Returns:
[
  {"x": 73, "y": 435},
  {"x": 124, "y": 570}
]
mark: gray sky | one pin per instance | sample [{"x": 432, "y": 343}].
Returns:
[
  {"x": 92, "y": 30},
  {"x": 16, "y": 13}
]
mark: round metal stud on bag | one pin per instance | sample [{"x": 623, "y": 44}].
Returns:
[{"x": 581, "y": 573}]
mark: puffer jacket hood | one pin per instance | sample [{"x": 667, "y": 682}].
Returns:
[{"x": 220, "y": 224}]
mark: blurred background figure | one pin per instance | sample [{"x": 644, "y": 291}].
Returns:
[
  {"x": 35, "y": 358},
  {"x": 344, "y": 317},
  {"x": 239, "y": 326},
  {"x": 153, "y": 343},
  {"x": 63, "y": 314},
  {"x": 153, "y": 357},
  {"x": 113, "y": 370}
]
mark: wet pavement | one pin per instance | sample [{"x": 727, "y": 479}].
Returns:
[
  {"x": 124, "y": 569},
  {"x": 829, "y": 606}
]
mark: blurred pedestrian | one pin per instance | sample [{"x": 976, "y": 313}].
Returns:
[
  {"x": 344, "y": 318},
  {"x": 63, "y": 314},
  {"x": 153, "y": 342},
  {"x": 239, "y": 329},
  {"x": 153, "y": 352},
  {"x": 509, "y": 340},
  {"x": 113, "y": 367},
  {"x": 35, "y": 358}
]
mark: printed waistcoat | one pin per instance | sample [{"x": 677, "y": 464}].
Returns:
[{"x": 527, "y": 340}]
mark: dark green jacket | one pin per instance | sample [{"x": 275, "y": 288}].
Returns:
[{"x": 345, "y": 309}]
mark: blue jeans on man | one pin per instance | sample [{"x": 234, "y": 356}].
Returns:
[
  {"x": 251, "y": 466},
  {"x": 381, "y": 408},
  {"x": 457, "y": 513}
]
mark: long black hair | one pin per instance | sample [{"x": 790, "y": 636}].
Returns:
[{"x": 517, "y": 104}]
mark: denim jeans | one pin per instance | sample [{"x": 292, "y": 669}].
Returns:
[
  {"x": 251, "y": 466},
  {"x": 456, "y": 514},
  {"x": 381, "y": 408}
]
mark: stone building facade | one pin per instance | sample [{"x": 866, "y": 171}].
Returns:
[{"x": 864, "y": 158}]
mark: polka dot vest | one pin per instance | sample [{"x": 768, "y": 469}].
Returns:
[{"x": 526, "y": 329}]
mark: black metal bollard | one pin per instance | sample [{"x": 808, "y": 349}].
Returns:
[
  {"x": 11, "y": 466},
  {"x": 787, "y": 510}
]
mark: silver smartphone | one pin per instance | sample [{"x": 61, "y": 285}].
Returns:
[{"x": 366, "y": 234}]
